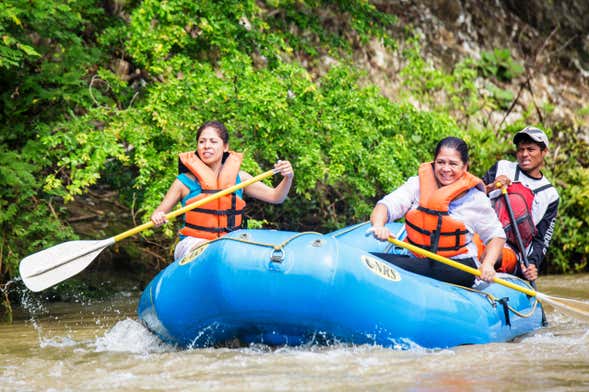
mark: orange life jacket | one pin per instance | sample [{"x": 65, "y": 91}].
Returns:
[
  {"x": 220, "y": 216},
  {"x": 430, "y": 226},
  {"x": 508, "y": 257}
]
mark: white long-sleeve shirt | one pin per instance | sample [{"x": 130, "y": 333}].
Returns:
[{"x": 473, "y": 209}]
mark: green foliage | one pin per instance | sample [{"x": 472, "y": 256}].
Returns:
[
  {"x": 47, "y": 54},
  {"x": 80, "y": 153},
  {"x": 204, "y": 30},
  {"x": 208, "y": 31},
  {"x": 312, "y": 27},
  {"x": 16, "y": 180},
  {"x": 499, "y": 64},
  {"x": 502, "y": 97},
  {"x": 570, "y": 247},
  {"x": 570, "y": 170},
  {"x": 427, "y": 84},
  {"x": 278, "y": 114},
  {"x": 13, "y": 49},
  {"x": 27, "y": 223},
  {"x": 5, "y": 306}
]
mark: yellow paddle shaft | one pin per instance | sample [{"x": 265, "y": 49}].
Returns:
[
  {"x": 191, "y": 206},
  {"x": 460, "y": 266},
  {"x": 499, "y": 184}
]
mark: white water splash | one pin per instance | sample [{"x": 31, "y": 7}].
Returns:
[
  {"x": 57, "y": 341},
  {"x": 132, "y": 337},
  {"x": 30, "y": 302}
]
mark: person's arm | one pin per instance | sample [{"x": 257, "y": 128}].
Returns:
[
  {"x": 263, "y": 192},
  {"x": 491, "y": 179},
  {"x": 481, "y": 217},
  {"x": 540, "y": 243},
  {"x": 492, "y": 252},
  {"x": 392, "y": 207},
  {"x": 173, "y": 196},
  {"x": 378, "y": 219}
]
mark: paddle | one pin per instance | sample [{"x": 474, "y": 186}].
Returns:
[
  {"x": 520, "y": 243},
  {"x": 60, "y": 262},
  {"x": 571, "y": 306}
]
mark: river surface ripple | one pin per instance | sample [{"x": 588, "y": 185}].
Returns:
[{"x": 100, "y": 346}]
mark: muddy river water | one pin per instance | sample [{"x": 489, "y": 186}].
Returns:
[{"x": 100, "y": 346}]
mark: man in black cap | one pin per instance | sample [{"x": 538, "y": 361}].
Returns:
[{"x": 541, "y": 204}]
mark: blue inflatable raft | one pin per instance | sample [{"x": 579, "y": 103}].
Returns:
[{"x": 287, "y": 288}]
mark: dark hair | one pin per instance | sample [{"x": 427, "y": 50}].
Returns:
[
  {"x": 527, "y": 139},
  {"x": 455, "y": 144},
  {"x": 218, "y": 126}
]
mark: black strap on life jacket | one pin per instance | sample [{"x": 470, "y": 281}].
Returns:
[
  {"x": 540, "y": 189},
  {"x": 213, "y": 229},
  {"x": 517, "y": 171},
  {"x": 437, "y": 233},
  {"x": 231, "y": 215},
  {"x": 434, "y": 249},
  {"x": 231, "y": 212}
]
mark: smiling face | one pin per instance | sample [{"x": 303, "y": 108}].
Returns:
[
  {"x": 211, "y": 147},
  {"x": 448, "y": 166},
  {"x": 530, "y": 158}
]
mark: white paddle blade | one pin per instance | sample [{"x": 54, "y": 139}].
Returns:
[{"x": 58, "y": 263}]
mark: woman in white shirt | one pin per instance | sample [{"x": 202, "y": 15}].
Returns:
[{"x": 443, "y": 207}]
